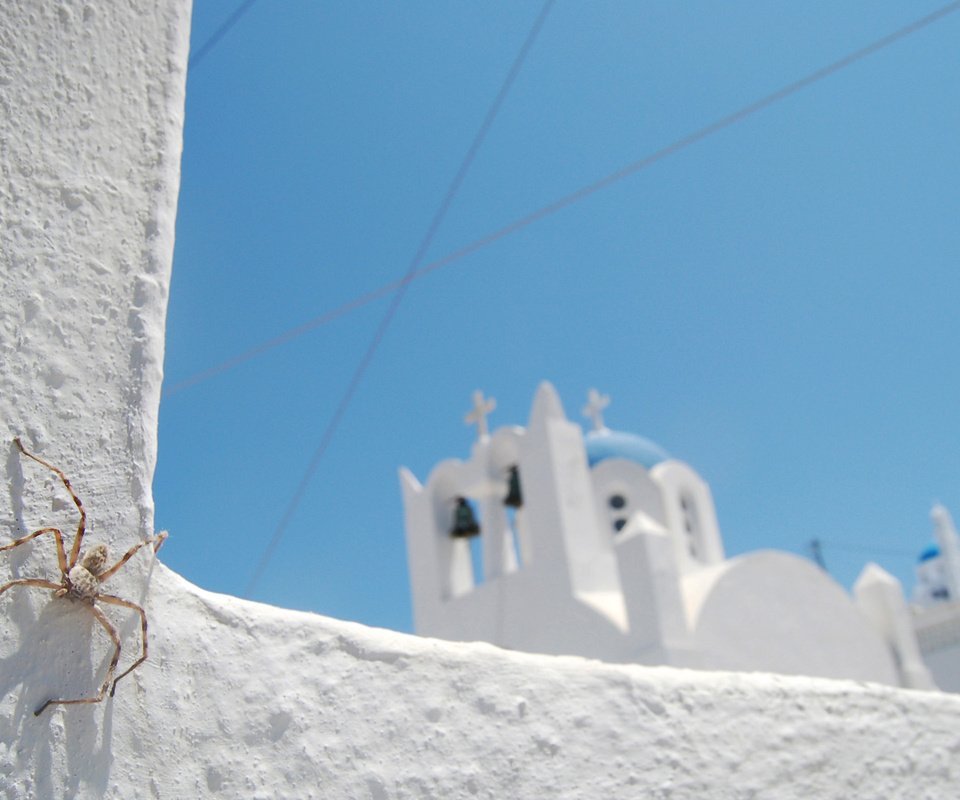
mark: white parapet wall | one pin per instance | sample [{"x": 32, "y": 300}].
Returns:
[{"x": 240, "y": 700}]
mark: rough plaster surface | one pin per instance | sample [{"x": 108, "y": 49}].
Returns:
[
  {"x": 241, "y": 700},
  {"x": 91, "y": 105},
  {"x": 335, "y": 710},
  {"x": 247, "y": 701}
]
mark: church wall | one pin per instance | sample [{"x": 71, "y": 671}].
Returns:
[
  {"x": 944, "y": 665},
  {"x": 622, "y": 488},
  {"x": 775, "y": 611},
  {"x": 658, "y": 629},
  {"x": 938, "y": 634},
  {"x": 690, "y": 513}
]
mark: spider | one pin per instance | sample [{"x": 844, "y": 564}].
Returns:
[{"x": 80, "y": 580}]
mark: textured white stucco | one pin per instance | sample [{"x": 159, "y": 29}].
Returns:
[
  {"x": 240, "y": 700},
  {"x": 91, "y": 105}
]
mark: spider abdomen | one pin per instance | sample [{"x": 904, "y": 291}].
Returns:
[{"x": 83, "y": 583}]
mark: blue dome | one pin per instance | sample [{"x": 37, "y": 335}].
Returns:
[
  {"x": 615, "y": 444},
  {"x": 930, "y": 553}
]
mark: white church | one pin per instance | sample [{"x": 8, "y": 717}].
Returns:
[
  {"x": 603, "y": 545},
  {"x": 935, "y": 610}
]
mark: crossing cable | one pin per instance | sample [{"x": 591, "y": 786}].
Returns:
[
  {"x": 201, "y": 52},
  {"x": 397, "y": 299},
  {"x": 564, "y": 202},
  {"x": 869, "y": 549}
]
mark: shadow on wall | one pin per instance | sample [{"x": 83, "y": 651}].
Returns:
[{"x": 61, "y": 652}]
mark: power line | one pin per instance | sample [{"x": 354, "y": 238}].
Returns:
[
  {"x": 867, "y": 549},
  {"x": 567, "y": 200},
  {"x": 816, "y": 546},
  {"x": 200, "y": 53},
  {"x": 398, "y": 296}
]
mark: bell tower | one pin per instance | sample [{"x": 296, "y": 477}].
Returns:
[{"x": 510, "y": 546}]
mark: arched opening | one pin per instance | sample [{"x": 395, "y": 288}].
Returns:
[{"x": 691, "y": 525}]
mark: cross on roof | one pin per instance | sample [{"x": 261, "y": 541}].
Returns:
[
  {"x": 481, "y": 408},
  {"x": 596, "y": 402}
]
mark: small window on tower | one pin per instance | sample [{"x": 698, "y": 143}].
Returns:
[
  {"x": 691, "y": 524},
  {"x": 617, "y": 501}
]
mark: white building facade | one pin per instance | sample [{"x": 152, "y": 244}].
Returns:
[
  {"x": 602, "y": 545},
  {"x": 935, "y": 610}
]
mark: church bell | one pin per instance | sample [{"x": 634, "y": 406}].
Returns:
[
  {"x": 464, "y": 521},
  {"x": 514, "y": 498}
]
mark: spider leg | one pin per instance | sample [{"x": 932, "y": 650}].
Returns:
[
  {"x": 117, "y": 601},
  {"x": 115, "y": 638},
  {"x": 159, "y": 539},
  {"x": 81, "y": 527},
  {"x": 31, "y": 582},
  {"x": 61, "y": 555}
]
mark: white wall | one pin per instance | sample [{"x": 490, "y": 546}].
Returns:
[
  {"x": 242, "y": 700},
  {"x": 938, "y": 632},
  {"x": 944, "y": 666},
  {"x": 91, "y": 104},
  {"x": 775, "y": 611},
  {"x": 247, "y": 701}
]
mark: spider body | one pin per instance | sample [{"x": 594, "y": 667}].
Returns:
[{"x": 80, "y": 580}]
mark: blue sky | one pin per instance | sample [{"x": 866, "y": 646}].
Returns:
[{"x": 775, "y": 304}]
